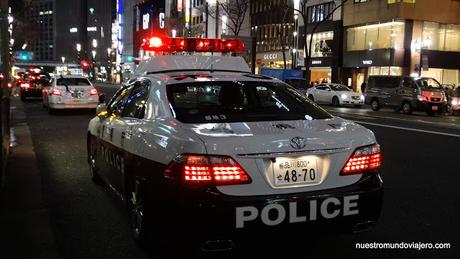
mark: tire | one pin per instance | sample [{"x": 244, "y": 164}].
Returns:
[
  {"x": 138, "y": 214},
  {"x": 92, "y": 156},
  {"x": 406, "y": 108},
  {"x": 335, "y": 101},
  {"x": 311, "y": 98},
  {"x": 375, "y": 105}
]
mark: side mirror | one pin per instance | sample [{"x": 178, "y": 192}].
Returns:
[
  {"x": 101, "y": 108},
  {"x": 102, "y": 98}
]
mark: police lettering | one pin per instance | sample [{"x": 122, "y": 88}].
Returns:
[
  {"x": 113, "y": 159},
  {"x": 274, "y": 214}
]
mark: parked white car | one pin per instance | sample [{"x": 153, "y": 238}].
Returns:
[
  {"x": 70, "y": 92},
  {"x": 335, "y": 94}
]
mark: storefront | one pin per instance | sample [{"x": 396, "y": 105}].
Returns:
[
  {"x": 359, "y": 65},
  {"x": 273, "y": 60}
]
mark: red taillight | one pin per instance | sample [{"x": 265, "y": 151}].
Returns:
[
  {"x": 25, "y": 85},
  {"x": 93, "y": 91},
  {"x": 56, "y": 92},
  {"x": 364, "y": 159},
  {"x": 198, "y": 170}
]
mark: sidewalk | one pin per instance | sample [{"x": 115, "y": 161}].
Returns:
[{"x": 25, "y": 230}]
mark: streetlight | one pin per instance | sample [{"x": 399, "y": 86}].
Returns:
[
  {"x": 93, "y": 52},
  {"x": 94, "y": 43},
  {"x": 63, "y": 60},
  {"x": 78, "y": 47}
]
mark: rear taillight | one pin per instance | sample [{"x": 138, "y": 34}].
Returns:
[
  {"x": 199, "y": 170},
  {"x": 56, "y": 92},
  {"x": 25, "y": 85},
  {"x": 367, "y": 159},
  {"x": 93, "y": 91}
]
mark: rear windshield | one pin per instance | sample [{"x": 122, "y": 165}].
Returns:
[
  {"x": 340, "y": 88},
  {"x": 72, "y": 81},
  {"x": 428, "y": 83},
  {"x": 203, "y": 102}
]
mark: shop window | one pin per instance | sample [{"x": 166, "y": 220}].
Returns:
[
  {"x": 321, "y": 44},
  {"x": 376, "y": 36}
]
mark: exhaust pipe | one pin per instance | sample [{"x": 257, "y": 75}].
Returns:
[
  {"x": 217, "y": 246},
  {"x": 363, "y": 226}
]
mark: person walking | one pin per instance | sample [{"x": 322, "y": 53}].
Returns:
[{"x": 363, "y": 87}]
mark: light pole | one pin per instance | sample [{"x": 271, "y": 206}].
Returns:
[{"x": 109, "y": 65}]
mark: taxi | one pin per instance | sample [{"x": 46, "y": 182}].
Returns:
[
  {"x": 70, "y": 92},
  {"x": 197, "y": 145}
]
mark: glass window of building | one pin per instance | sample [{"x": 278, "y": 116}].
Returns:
[
  {"x": 442, "y": 37},
  {"x": 318, "y": 13},
  {"x": 376, "y": 36},
  {"x": 320, "y": 44}
]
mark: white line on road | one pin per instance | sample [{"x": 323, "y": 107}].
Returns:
[{"x": 409, "y": 129}]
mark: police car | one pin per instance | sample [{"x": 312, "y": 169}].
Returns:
[
  {"x": 199, "y": 143},
  {"x": 70, "y": 92}
]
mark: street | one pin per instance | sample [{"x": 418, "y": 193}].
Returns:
[{"x": 420, "y": 169}]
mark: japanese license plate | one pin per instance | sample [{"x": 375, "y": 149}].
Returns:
[
  {"x": 295, "y": 171},
  {"x": 76, "y": 100},
  {"x": 434, "y": 108}
]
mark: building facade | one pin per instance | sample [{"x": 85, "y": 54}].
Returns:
[
  {"x": 41, "y": 14},
  {"x": 409, "y": 37},
  {"x": 324, "y": 22},
  {"x": 272, "y": 27}
]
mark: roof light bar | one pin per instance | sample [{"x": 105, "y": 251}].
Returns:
[{"x": 193, "y": 45}]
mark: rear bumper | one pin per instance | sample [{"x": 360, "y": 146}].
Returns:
[
  {"x": 218, "y": 216},
  {"x": 73, "y": 105},
  {"x": 431, "y": 107},
  {"x": 31, "y": 92}
]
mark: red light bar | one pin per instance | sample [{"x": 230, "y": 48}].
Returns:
[{"x": 193, "y": 45}]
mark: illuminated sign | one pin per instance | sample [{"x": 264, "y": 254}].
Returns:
[
  {"x": 271, "y": 56},
  {"x": 162, "y": 20},
  {"x": 367, "y": 62},
  {"x": 316, "y": 62},
  {"x": 145, "y": 21}
]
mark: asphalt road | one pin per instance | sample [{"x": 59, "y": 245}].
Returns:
[{"x": 421, "y": 171}]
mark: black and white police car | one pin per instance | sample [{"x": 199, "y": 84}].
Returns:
[{"x": 199, "y": 143}]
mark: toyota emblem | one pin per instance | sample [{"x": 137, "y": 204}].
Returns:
[{"x": 298, "y": 143}]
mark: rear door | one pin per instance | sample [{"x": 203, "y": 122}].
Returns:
[
  {"x": 124, "y": 125},
  {"x": 111, "y": 155},
  {"x": 389, "y": 92}
]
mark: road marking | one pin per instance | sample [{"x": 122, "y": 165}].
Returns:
[{"x": 409, "y": 129}]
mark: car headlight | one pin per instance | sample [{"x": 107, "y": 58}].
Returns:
[
  {"x": 343, "y": 96},
  {"x": 361, "y": 97},
  {"x": 455, "y": 102}
]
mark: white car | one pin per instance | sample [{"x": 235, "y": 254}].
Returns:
[
  {"x": 199, "y": 146},
  {"x": 70, "y": 92},
  {"x": 335, "y": 94}
]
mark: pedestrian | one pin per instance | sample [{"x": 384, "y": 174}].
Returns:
[
  {"x": 311, "y": 84},
  {"x": 363, "y": 87}
]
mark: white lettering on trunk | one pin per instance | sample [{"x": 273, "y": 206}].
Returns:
[
  {"x": 280, "y": 215},
  {"x": 350, "y": 205},
  {"x": 243, "y": 214},
  {"x": 293, "y": 218},
  {"x": 324, "y": 210}
]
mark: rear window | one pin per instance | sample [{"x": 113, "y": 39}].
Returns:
[
  {"x": 72, "y": 81},
  {"x": 203, "y": 102}
]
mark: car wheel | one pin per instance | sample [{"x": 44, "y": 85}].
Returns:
[
  {"x": 92, "y": 156},
  {"x": 137, "y": 209},
  {"x": 335, "y": 101},
  {"x": 375, "y": 105},
  {"x": 311, "y": 97},
  {"x": 406, "y": 108}
]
